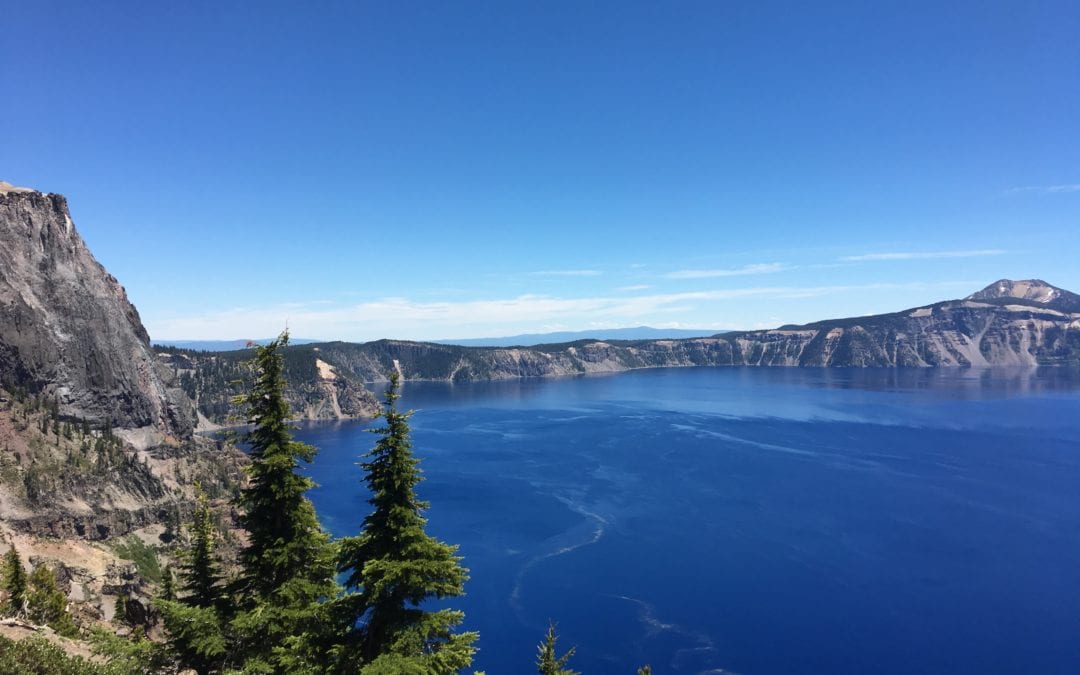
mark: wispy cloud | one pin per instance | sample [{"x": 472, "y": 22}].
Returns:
[
  {"x": 567, "y": 273},
  {"x": 745, "y": 270},
  {"x": 635, "y": 287},
  {"x": 922, "y": 255},
  {"x": 412, "y": 319},
  {"x": 1045, "y": 189}
]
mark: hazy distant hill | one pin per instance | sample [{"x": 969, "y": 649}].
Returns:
[
  {"x": 532, "y": 339},
  {"x": 221, "y": 345}
]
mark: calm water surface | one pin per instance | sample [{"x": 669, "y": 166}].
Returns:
[{"x": 753, "y": 520}]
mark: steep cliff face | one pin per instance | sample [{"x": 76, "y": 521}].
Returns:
[
  {"x": 315, "y": 389},
  {"x": 67, "y": 328},
  {"x": 96, "y": 437},
  {"x": 1010, "y": 323}
]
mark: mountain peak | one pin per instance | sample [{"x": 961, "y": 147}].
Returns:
[{"x": 1029, "y": 290}]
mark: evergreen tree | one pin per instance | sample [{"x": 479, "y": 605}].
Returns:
[
  {"x": 168, "y": 584},
  {"x": 194, "y": 623},
  {"x": 547, "y": 663},
  {"x": 394, "y": 566},
  {"x": 15, "y": 583},
  {"x": 200, "y": 577},
  {"x": 120, "y": 609},
  {"x": 288, "y": 564},
  {"x": 47, "y": 604}
]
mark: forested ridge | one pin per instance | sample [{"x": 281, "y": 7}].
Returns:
[{"x": 213, "y": 380}]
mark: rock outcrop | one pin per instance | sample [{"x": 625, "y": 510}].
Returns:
[{"x": 67, "y": 328}]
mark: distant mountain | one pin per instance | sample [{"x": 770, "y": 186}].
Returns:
[
  {"x": 1034, "y": 291},
  {"x": 222, "y": 345},
  {"x": 532, "y": 339},
  {"x": 1013, "y": 323}
]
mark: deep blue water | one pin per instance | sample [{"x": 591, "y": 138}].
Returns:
[{"x": 752, "y": 520}]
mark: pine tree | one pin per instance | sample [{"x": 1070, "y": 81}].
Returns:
[
  {"x": 200, "y": 577},
  {"x": 120, "y": 609},
  {"x": 168, "y": 584},
  {"x": 15, "y": 583},
  {"x": 195, "y": 623},
  {"x": 288, "y": 564},
  {"x": 47, "y": 604},
  {"x": 547, "y": 663},
  {"x": 394, "y": 566}
]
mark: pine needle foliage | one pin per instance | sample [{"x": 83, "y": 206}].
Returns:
[
  {"x": 547, "y": 660},
  {"x": 394, "y": 566},
  {"x": 47, "y": 604},
  {"x": 194, "y": 623},
  {"x": 16, "y": 583},
  {"x": 200, "y": 576},
  {"x": 168, "y": 584},
  {"x": 287, "y": 568}
]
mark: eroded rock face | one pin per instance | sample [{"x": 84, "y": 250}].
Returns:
[{"x": 67, "y": 327}]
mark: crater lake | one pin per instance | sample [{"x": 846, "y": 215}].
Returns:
[{"x": 751, "y": 520}]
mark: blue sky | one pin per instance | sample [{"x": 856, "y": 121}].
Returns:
[{"x": 441, "y": 170}]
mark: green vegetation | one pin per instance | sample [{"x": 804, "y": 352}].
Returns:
[
  {"x": 46, "y": 604},
  {"x": 139, "y": 552},
  {"x": 137, "y": 655},
  {"x": 66, "y": 454},
  {"x": 15, "y": 583},
  {"x": 547, "y": 660},
  {"x": 36, "y": 597},
  {"x": 394, "y": 566},
  {"x": 287, "y": 568},
  {"x": 196, "y": 624},
  {"x": 37, "y": 656}
]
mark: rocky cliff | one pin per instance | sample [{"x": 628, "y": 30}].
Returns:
[
  {"x": 97, "y": 451},
  {"x": 67, "y": 329},
  {"x": 315, "y": 390},
  {"x": 1009, "y": 323}
]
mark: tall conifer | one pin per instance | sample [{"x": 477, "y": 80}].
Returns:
[
  {"x": 15, "y": 582},
  {"x": 287, "y": 568},
  {"x": 394, "y": 566},
  {"x": 200, "y": 577},
  {"x": 195, "y": 622},
  {"x": 547, "y": 660},
  {"x": 47, "y": 604}
]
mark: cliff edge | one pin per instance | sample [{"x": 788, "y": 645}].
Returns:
[{"x": 67, "y": 329}]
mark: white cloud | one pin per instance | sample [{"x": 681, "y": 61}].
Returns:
[
  {"x": 567, "y": 273},
  {"x": 745, "y": 270},
  {"x": 411, "y": 319},
  {"x": 635, "y": 287},
  {"x": 1045, "y": 189},
  {"x": 922, "y": 255}
]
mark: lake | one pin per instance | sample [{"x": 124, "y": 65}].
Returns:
[{"x": 752, "y": 520}]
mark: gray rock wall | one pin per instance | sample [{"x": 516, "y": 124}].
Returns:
[{"x": 67, "y": 327}]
